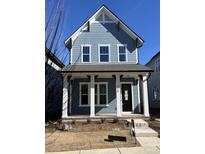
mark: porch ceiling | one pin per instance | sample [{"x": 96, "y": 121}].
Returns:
[{"x": 106, "y": 68}]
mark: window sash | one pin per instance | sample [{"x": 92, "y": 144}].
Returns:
[
  {"x": 122, "y": 57},
  {"x": 83, "y": 94},
  {"x": 86, "y": 58}
]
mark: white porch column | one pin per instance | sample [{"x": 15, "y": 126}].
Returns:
[
  {"x": 65, "y": 97},
  {"x": 118, "y": 97},
  {"x": 145, "y": 97},
  {"x": 92, "y": 95}
]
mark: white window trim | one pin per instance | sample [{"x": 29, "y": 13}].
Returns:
[
  {"x": 86, "y": 45},
  {"x": 80, "y": 103},
  {"x": 118, "y": 54},
  {"x": 98, "y": 93},
  {"x": 88, "y": 105},
  {"x": 102, "y": 45}
]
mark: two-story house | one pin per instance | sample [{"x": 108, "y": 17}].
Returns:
[
  {"x": 154, "y": 83},
  {"x": 104, "y": 75}
]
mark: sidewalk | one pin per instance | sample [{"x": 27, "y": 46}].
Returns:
[{"x": 149, "y": 145}]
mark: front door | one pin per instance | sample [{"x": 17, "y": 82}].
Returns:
[{"x": 126, "y": 98}]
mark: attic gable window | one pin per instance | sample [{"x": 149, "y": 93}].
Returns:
[{"x": 103, "y": 18}]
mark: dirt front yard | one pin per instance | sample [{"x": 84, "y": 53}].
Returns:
[{"x": 89, "y": 136}]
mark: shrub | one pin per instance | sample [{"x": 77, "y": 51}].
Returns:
[
  {"x": 102, "y": 120},
  {"x": 88, "y": 120},
  {"x": 115, "y": 120}
]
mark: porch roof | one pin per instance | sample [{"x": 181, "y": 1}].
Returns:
[{"x": 106, "y": 68}]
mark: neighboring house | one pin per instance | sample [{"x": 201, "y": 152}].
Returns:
[
  {"x": 53, "y": 86},
  {"x": 154, "y": 82},
  {"x": 104, "y": 74}
]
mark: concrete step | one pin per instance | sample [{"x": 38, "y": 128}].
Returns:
[
  {"x": 142, "y": 129},
  {"x": 139, "y": 123},
  {"x": 145, "y": 132}
]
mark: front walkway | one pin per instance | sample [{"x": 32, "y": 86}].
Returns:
[{"x": 149, "y": 145}]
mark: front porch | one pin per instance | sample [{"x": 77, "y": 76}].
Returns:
[{"x": 100, "y": 92}]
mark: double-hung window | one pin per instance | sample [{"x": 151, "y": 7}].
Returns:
[
  {"x": 104, "y": 53},
  {"x": 85, "y": 53},
  {"x": 122, "y": 55},
  {"x": 84, "y": 94},
  {"x": 101, "y": 94}
]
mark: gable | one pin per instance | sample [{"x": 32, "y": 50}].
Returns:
[{"x": 104, "y": 15}]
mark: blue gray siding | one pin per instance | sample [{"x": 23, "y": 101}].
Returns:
[
  {"x": 104, "y": 34},
  {"x": 112, "y": 108},
  {"x": 153, "y": 83}
]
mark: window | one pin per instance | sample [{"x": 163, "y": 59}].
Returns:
[
  {"x": 157, "y": 65},
  {"x": 104, "y": 53},
  {"x": 84, "y": 94},
  {"x": 85, "y": 53},
  {"x": 155, "y": 94},
  {"x": 101, "y": 94},
  {"x": 122, "y": 53},
  {"x": 103, "y": 18}
]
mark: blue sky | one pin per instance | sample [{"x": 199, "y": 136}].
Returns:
[{"x": 142, "y": 16}]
